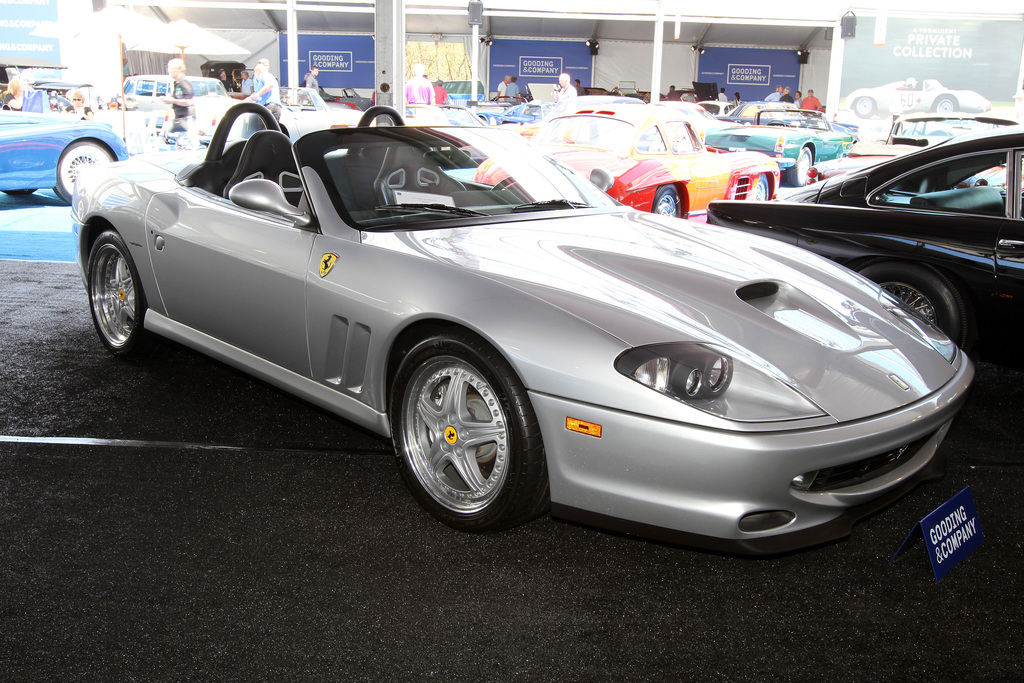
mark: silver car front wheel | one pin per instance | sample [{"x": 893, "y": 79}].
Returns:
[
  {"x": 115, "y": 298},
  {"x": 466, "y": 438}
]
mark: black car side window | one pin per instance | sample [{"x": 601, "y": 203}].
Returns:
[{"x": 974, "y": 184}]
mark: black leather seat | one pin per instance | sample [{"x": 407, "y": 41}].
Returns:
[
  {"x": 408, "y": 168},
  {"x": 268, "y": 155}
]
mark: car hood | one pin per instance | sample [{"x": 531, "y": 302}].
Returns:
[{"x": 646, "y": 279}]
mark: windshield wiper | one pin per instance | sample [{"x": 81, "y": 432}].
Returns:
[
  {"x": 550, "y": 204},
  {"x": 437, "y": 208}
]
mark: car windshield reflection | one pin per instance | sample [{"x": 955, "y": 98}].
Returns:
[{"x": 394, "y": 176}]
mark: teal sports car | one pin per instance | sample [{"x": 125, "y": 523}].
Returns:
[{"x": 795, "y": 138}]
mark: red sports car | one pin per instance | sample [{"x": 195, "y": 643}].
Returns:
[{"x": 652, "y": 159}]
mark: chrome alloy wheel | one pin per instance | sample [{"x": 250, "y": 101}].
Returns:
[
  {"x": 113, "y": 295},
  {"x": 456, "y": 440}
]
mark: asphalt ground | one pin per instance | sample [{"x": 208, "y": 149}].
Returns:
[{"x": 173, "y": 519}]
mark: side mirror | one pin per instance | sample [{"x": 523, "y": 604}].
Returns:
[
  {"x": 265, "y": 195},
  {"x": 602, "y": 178}
]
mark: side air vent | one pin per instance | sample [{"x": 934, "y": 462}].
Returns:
[{"x": 757, "y": 290}]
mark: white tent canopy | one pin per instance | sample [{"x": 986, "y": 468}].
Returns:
[{"x": 625, "y": 30}]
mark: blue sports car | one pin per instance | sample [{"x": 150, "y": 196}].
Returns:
[
  {"x": 42, "y": 151},
  {"x": 527, "y": 112}
]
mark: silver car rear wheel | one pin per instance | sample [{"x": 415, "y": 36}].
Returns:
[{"x": 466, "y": 437}]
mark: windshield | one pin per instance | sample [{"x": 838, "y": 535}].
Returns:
[
  {"x": 798, "y": 118},
  {"x": 935, "y": 130},
  {"x": 387, "y": 177},
  {"x": 588, "y": 131}
]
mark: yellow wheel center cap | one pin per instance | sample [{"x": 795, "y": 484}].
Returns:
[
  {"x": 450, "y": 435},
  {"x": 120, "y": 294}
]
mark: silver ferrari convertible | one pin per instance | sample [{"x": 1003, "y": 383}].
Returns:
[{"x": 526, "y": 342}]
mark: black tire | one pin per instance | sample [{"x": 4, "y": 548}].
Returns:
[
  {"x": 930, "y": 293},
  {"x": 116, "y": 299},
  {"x": 796, "y": 175},
  {"x": 760, "y": 189},
  {"x": 666, "y": 202},
  {"x": 72, "y": 159},
  {"x": 473, "y": 458}
]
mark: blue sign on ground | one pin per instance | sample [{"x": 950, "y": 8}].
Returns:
[{"x": 950, "y": 533}]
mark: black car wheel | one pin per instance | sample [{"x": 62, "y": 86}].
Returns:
[
  {"x": 116, "y": 298},
  {"x": 467, "y": 440},
  {"x": 928, "y": 292},
  {"x": 666, "y": 202}
]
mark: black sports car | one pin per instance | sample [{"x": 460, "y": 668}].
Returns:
[{"x": 941, "y": 228}]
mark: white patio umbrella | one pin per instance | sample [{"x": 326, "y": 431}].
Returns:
[
  {"x": 186, "y": 38},
  {"x": 104, "y": 27}
]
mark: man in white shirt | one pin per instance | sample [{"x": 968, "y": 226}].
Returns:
[
  {"x": 564, "y": 90},
  {"x": 775, "y": 96}
]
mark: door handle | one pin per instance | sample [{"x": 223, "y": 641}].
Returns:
[{"x": 1011, "y": 244}]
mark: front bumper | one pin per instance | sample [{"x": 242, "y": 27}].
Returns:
[{"x": 695, "y": 486}]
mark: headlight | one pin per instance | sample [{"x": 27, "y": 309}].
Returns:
[
  {"x": 715, "y": 382},
  {"x": 918, "y": 325}
]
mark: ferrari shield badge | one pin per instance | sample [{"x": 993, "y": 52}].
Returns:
[{"x": 327, "y": 262}]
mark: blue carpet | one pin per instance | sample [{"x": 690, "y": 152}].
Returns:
[{"x": 35, "y": 227}]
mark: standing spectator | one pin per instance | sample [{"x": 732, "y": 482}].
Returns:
[
  {"x": 223, "y": 78},
  {"x": 180, "y": 100},
  {"x": 503, "y": 88},
  {"x": 125, "y": 70},
  {"x": 810, "y": 102},
  {"x": 265, "y": 89},
  {"x": 513, "y": 90},
  {"x": 722, "y": 97},
  {"x": 311, "y": 79},
  {"x": 246, "y": 86},
  {"x": 418, "y": 90},
  {"x": 579, "y": 88},
  {"x": 1018, "y": 104},
  {"x": 440, "y": 94},
  {"x": 673, "y": 94},
  {"x": 564, "y": 89},
  {"x": 797, "y": 99},
  {"x": 786, "y": 97},
  {"x": 736, "y": 99},
  {"x": 775, "y": 96}
]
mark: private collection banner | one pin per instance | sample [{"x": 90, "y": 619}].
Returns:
[{"x": 980, "y": 56}]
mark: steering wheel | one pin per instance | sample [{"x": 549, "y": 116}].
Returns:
[
  {"x": 381, "y": 110},
  {"x": 220, "y": 136}
]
